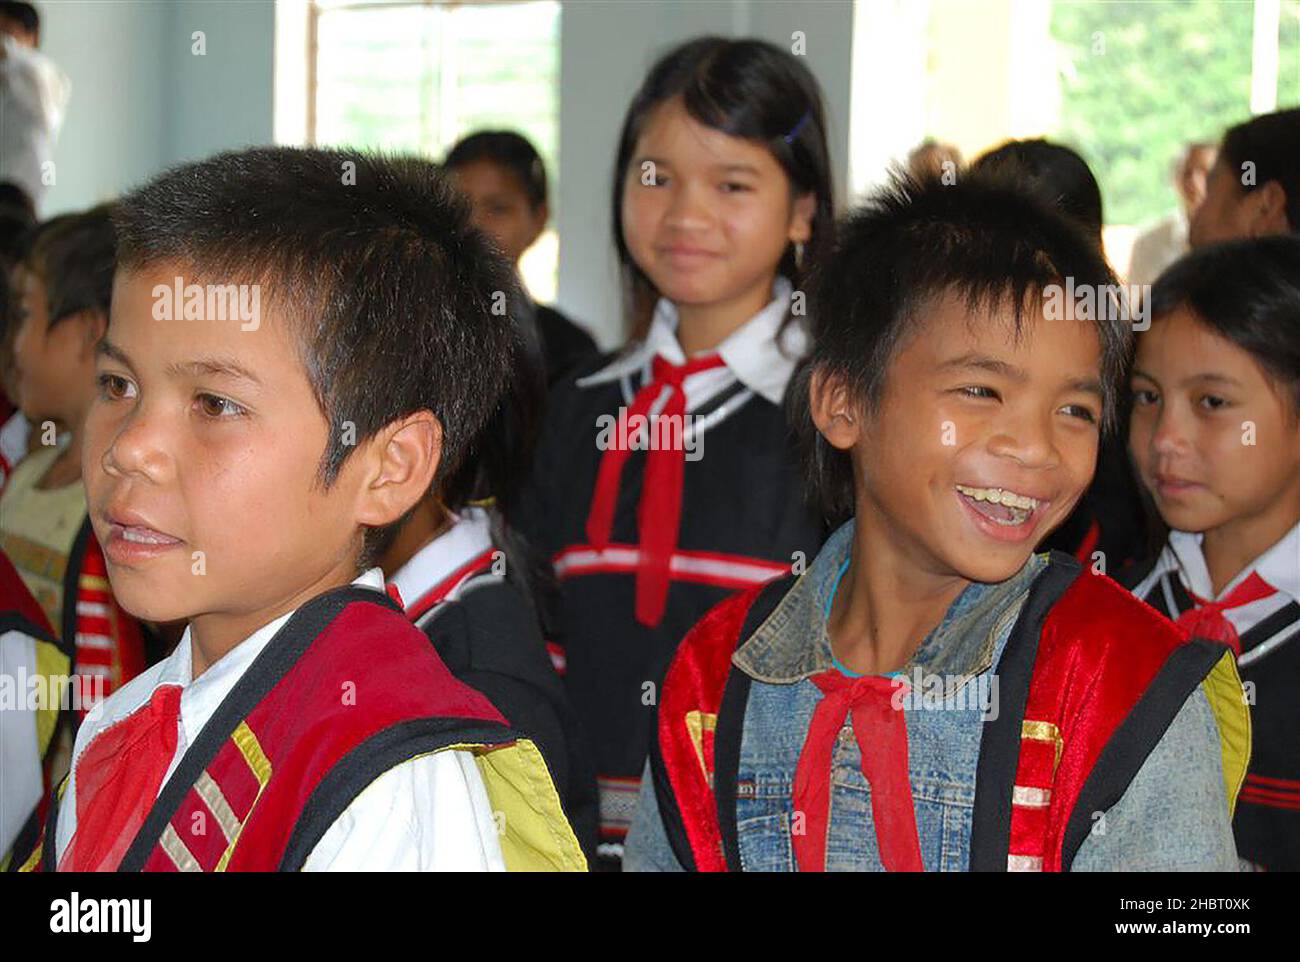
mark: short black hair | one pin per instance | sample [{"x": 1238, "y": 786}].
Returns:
[
  {"x": 509, "y": 150},
  {"x": 1248, "y": 293},
  {"x": 24, "y": 14},
  {"x": 1272, "y": 143},
  {"x": 74, "y": 255},
  {"x": 745, "y": 88},
  {"x": 399, "y": 303},
  {"x": 984, "y": 238},
  {"x": 1053, "y": 171}
]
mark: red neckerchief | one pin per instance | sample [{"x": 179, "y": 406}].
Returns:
[
  {"x": 117, "y": 781},
  {"x": 881, "y": 731},
  {"x": 659, "y": 512},
  {"x": 1206, "y": 619},
  {"x": 447, "y": 585}
]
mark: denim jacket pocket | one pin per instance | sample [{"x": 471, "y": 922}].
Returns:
[{"x": 765, "y": 844}]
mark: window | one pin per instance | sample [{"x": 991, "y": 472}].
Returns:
[
  {"x": 414, "y": 77},
  {"x": 1126, "y": 83}
]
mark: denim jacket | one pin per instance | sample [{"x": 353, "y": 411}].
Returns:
[{"x": 1174, "y": 815}]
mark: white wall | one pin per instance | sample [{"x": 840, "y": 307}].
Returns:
[
  {"x": 606, "y": 48},
  {"x": 142, "y": 100}
]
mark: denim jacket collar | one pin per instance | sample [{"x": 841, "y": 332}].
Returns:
[{"x": 792, "y": 644}]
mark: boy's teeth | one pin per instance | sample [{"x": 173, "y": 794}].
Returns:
[
  {"x": 142, "y": 536},
  {"x": 999, "y": 496}
]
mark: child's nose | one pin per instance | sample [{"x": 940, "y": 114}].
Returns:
[
  {"x": 1027, "y": 439},
  {"x": 135, "y": 450},
  {"x": 688, "y": 210},
  {"x": 1168, "y": 435}
]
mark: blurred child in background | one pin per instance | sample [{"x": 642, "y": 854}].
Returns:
[
  {"x": 505, "y": 180},
  {"x": 63, "y": 286},
  {"x": 1253, "y": 189}
]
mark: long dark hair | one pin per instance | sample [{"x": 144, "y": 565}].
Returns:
[{"x": 745, "y": 88}]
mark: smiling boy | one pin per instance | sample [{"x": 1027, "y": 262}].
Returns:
[
  {"x": 949, "y": 425},
  {"x": 243, "y": 478}
]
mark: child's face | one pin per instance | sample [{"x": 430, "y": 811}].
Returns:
[
  {"x": 709, "y": 220},
  {"x": 500, "y": 206},
  {"x": 200, "y": 460},
  {"x": 968, "y": 410},
  {"x": 1229, "y": 211},
  {"x": 52, "y": 366},
  {"x": 1213, "y": 439}
]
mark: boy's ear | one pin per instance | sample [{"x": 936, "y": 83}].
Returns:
[
  {"x": 402, "y": 460},
  {"x": 801, "y": 218},
  {"x": 1268, "y": 210},
  {"x": 833, "y": 410}
]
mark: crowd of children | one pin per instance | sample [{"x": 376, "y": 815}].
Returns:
[{"x": 362, "y": 559}]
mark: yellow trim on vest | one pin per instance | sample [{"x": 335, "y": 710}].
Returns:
[
  {"x": 1041, "y": 731},
  {"x": 251, "y": 749},
  {"x": 246, "y": 741},
  {"x": 51, "y": 663},
  {"x": 1227, "y": 698},
  {"x": 697, "y": 723}
]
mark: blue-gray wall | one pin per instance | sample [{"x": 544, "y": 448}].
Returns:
[{"x": 141, "y": 100}]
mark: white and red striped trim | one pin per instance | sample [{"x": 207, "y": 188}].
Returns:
[
  {"x": 700, "y": 567},
  {"x": 449, "y": 588}
]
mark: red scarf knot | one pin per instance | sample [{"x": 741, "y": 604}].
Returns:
[
  {"x": 1206, "y": 620},
  {"x": 881, "y": 731}
]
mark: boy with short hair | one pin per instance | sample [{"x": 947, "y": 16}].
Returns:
[
  {"x": 301, "y": 341},
  {"x": 932, "y": 694}
]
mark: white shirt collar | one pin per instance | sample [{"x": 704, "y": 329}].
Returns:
[
  {"x": 1279, "y": 566},
  {"x": 751, "y": 352},
  {"x": 468, "y": 537}
]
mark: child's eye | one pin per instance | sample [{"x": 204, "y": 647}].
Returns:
[
  {"x": 215, "y": 406},
  {"x": 731, "y": 187},
  {"x": 114, "y": 387},
  {"x": 1213, "y": 402},
  {"x": 978, "y": 391},
  {"x": 1143, "y": 397},
  {"x": 1081, "y": 412}
]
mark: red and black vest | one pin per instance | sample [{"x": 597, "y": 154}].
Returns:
[
  {"x": 347, "y": 689},
  {"x": 1089, "y": 681}
]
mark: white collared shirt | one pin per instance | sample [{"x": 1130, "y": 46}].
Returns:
[
  {"x": 468, "y": 537},
  {"x": 751, "y": 353},
  {"x": 1279, "y": 566},
  {"x": 427, "y": 814}
]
